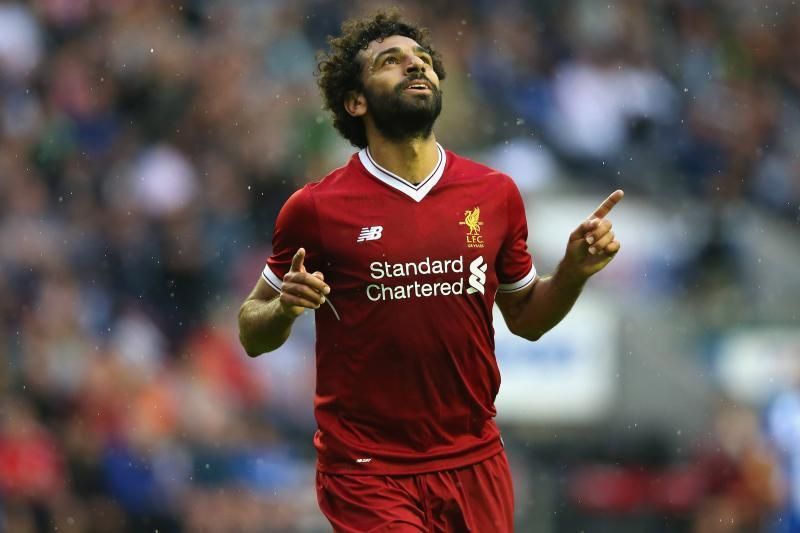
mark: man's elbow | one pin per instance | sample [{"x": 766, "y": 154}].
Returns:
[
  {"x": 249, "y": 347},
  {"x": 254, "y": 353},
  {"x": 246, "y": 339},
  {"x": 535, "y": 336},
  {"x": 245, "y": 335},
  {"x": 255, "y": 345},
  {"x": 254, "y": 349},
  {"x": 527, "y": 334},
  {"x": 250, "y": 350}
]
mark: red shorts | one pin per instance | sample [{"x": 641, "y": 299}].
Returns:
[{"x": 478, "y": 497}]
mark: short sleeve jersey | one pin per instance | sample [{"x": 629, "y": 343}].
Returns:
[{"x": 406, "y": 371}]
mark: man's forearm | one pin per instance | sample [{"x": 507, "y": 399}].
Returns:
[
  {"x": 263, "y": 326},
  {"x": 590, "y": 247},
  {"x": 547, "y": 304}
]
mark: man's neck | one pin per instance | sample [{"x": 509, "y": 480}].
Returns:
[{"x": 412, "y": 160}]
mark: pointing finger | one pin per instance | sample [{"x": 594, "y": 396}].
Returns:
[
  {"x": 297, "y": 261},
  {"x": 609, "y": 203}
]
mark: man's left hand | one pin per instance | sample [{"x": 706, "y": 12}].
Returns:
[{"x": 593, "y": 244}]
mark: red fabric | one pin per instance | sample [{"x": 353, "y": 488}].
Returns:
[
  {"x": 405, "y": 384},
  {"x": 478, "y": 498}
]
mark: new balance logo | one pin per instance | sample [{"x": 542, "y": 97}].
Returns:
[
  {"x": 477, "y": 278},
  {"x": 364, "y": 460},
  {"x": 370, "y": 233}
]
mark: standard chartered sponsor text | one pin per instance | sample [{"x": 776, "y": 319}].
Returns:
[{"x": 380, "y": 270}]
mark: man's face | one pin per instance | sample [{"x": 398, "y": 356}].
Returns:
[{"x": 401, "y": 88}]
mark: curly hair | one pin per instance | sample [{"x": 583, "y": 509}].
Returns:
[{"x": 340, "y": 68}]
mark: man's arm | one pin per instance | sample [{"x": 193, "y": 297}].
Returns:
[
  {"x": 266, "y": 316},
  {"x": 532, "y": 312}
]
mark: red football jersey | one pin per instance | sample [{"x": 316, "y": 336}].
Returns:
[{"x": 406, "y": 372}]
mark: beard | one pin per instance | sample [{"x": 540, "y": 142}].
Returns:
[{"x": 400, "y": 116}]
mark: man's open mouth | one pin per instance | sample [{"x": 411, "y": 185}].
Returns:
[{"x": 420, "y": 86}]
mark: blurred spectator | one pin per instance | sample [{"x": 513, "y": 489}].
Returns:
[
  {"x": 21, "y": 42},
  {"x": 783, "y": 426},
  {"x": 743, "y": 485}
]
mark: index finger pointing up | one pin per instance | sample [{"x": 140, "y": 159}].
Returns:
[
  {"x": 297, "y": 260},
  {"x": 608, "y": 204}
]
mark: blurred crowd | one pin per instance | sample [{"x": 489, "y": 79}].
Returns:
[{"x": 146, "y": 146}]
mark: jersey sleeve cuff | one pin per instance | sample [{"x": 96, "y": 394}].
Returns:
[
  {"x": 518, "y": 285},
  {"x": 270, "y": 277}
]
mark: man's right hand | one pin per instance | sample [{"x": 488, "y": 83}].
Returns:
[{"x": 301, "y": 290}]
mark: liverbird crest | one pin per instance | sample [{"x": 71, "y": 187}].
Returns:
[{"x": 472, "y": 220}]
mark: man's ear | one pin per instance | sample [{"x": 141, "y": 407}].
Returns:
[{"x": 355, "y": 104}]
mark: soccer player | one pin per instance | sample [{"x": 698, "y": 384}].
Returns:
[{"x": 401, "y": 254}]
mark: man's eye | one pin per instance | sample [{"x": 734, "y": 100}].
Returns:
[
  {"x": 426, "y": 59},
  {"x": 390, "y": 61}
]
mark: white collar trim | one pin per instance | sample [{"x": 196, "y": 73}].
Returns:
[{"x": 416, "y": 191}]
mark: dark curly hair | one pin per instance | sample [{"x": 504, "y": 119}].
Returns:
[{"x": 340, "y": 69}]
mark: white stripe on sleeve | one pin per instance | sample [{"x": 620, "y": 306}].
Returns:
[
  {"x": 518, "y": 285},
  {"x": 270, "y": 277}
]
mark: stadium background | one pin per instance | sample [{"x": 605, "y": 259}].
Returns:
[{"x": 147, "y": 146}]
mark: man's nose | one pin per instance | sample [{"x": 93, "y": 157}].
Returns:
[{"x": 415, "y": 64}]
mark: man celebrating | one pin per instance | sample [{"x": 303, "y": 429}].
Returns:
[{"x": 402, "y": 253}]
